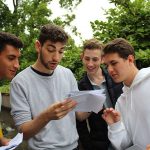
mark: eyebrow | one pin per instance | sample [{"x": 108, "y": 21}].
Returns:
[
  {"x": 55, "y": 46},
  {"x": 12, "y": 55}
]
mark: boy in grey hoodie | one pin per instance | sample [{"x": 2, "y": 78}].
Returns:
[
  {"x": 40, "y": 107},
  {"x": 129, "y": 122}
]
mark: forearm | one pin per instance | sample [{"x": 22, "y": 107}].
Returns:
[
  {"x": 118, "y": 136},
  {"x": 31, "y": 128}
]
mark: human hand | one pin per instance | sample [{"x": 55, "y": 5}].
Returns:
[
  {"x": 4, "y": 141},
  {"x": 148, "y": 147},
  {"x": 60, "y": 109},
  {"x": 111, "y": 116}
]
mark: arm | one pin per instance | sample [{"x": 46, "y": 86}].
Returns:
[
  {"x": 116, "y": 131},
  {"x": 53, "y": 112}
]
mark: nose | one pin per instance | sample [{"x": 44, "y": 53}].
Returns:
[
  {"x": 110, "y": 69},
  {"x": 16, "y": 64},
  {"x": 56, "y": 56},
  {"x": 90, "y": 63}
]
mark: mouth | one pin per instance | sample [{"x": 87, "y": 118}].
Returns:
[
  {"x": 13, "y": 71},
  {"x": 90, "y": 69},
  {"x": 114, "y": 76},
  {"x": 53, "y": 65}
]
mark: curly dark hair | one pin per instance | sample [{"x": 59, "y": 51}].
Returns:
[
  {"x": 53, "y": 33},
  {"x": 9, "y": 39}
]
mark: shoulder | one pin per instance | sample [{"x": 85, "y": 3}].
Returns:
[
  {"x": 22, "y": 75},
  {"x": 84, "y": 83},
  {"x": 63, "y": 72},
  {"x": 63, "y": 69}
]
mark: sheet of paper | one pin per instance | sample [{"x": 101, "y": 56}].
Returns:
[
  {"x": 13, "y": 143},
  {"x": 135, "y": 147},
  {"x": 88, "y": 101}
]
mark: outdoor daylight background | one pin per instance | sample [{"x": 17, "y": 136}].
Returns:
[
  {"x": 86, "y": 11},
  {"x": 82, "y": 19}
]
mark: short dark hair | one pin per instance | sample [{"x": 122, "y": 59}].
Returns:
[
  {"x": 53, "y": 33},
  {"x": 120, "y": 46},
  {"x": 92, "y": 44},
  {"x": 9, "y": 39}
]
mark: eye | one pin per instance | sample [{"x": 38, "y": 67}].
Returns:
[
  {"x": 114, "y": 63},
  {"x": 87, "y": 58},
  {"x": 95, "y": 59},
  {"x": 11, "y": 58},
  {"x": 61, "y": 52},
  {"x": 51, "y": 49}
]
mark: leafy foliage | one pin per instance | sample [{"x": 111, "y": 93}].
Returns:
[
  {"x": 26, "y": 19},
  {"x": 72, "y": 59},
  {"x": 130, "y": 20}
]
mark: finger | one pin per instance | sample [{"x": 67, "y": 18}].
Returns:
[
  {"x": 111, "y": 109},
  {"x": 108, "y": 110},
  {"x": 57, "y": 105},
  {"x": 63, "y": 113},
  {"x": 116, "y": 113},
  {"x": 68, "y": 100},
  {"x": 103, "y": 116},
  {"x": 69, "y": 105}
]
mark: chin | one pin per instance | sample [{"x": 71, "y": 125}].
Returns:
[
  {"x": 117, "y": 80},
  {"x": 91, "y": 73},
  {"x": 10, "y": 77}
]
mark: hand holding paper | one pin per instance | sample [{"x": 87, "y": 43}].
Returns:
[{"x": 14, "y": 142}]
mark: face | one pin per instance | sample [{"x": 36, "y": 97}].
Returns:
[
  {"x": 50, "y": 55},
  {"x": 9, "y": 63},
  {"x": 119, "y": 68},
  {"x": 91, "y": 60}
]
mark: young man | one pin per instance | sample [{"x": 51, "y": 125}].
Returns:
[
  {"x": 129, "y": 123},
  {"x": 9, "y": 64},
  {"x": 96, "y": 78},
  {"x": 38, "y": 96}
]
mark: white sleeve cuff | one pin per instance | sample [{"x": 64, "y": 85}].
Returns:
[{"x": 115, "y": 127}]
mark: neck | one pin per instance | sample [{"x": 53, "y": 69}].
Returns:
[
  {"x": 131, "y": 76},
  {"x": 39, "y": 67},
  {"x": 97, "y": 77}
]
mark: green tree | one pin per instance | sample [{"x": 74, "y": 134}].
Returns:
[
  {"x": 26, "y": 19},
  {"x": 130, "y": 19},
  {"x": 72, "y": 59}
]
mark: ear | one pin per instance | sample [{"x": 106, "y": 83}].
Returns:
[
  {"x": 131, "y": 58},
  {"x": 37, "y": 46},
  {"x": 81, "y": 56}
]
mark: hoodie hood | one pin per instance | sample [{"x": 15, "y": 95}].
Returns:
[
  {"x": 140, "y": 76},
  {"x": 133, "y": 105},
  {"x": 143, "y": 74}
]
